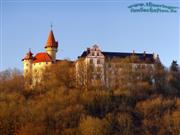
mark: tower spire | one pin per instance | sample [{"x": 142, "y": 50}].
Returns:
[
  {"x": 51, "y": 42},
  {"x": 51, "y": 45},
  {"x": 28, "y": 56},
  {"x": 51, "y": 26}
]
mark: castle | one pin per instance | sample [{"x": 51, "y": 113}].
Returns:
[
  {"x": 35, "y": 65},
  {"x": 107, "y": 65},
  {"x": 102, "y": 61}
]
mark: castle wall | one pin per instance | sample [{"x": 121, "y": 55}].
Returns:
[
  {"x": 38, "y": 70},
  {"x": 27, "y": 67}
]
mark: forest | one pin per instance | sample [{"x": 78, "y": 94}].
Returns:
[{"x": 134, "y": 105}]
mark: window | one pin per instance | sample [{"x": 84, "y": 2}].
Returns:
[
  {"x": 98, "y": 61},
  {"x": 91, "y": 61},
  {"x": 97, "y": 53},
  {"x": 99, "y": 69},
  {"x": 143, "y": 66},
  {"x": 92, "y": 53},
  {"x": 98, "y": 76}
]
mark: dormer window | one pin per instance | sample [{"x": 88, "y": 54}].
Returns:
[{"x": 92, "y": 53}]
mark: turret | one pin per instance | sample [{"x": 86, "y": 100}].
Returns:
[
  {"x": 27, "y": 61},
  {"x": 51, "y": 46}
]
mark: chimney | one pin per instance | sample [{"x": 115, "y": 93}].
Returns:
[
  {"x": 88, "y": 50},
  {"x": 154, "y": 56},
  {"x": 157, "y": 59},
  {"x": 144, "y": 53},
  {"x": 133, "y": 51}
]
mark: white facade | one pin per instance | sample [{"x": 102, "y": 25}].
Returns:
[
  {"x": 27, "y": 67},
  {"x": 104, "y": 64}
]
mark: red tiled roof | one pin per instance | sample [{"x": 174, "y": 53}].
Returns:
[
  {"x": 51, "y": 42},
  {"x": 42, "y": 57}
]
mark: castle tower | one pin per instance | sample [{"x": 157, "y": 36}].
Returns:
[
  {"x": 51, "y": 46},
  {"x": 27, "y": 61}
]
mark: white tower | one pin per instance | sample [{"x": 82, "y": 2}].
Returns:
[
  {"x": 51, "y": 46},
  {"x": 27, "y": 61}
]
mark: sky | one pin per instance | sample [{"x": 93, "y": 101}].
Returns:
[{"x": 78, "y": 24}]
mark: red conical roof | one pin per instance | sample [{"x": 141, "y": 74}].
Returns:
[
  {"x": 51, "y": 41},
  {"x": 28, "y": 56}
]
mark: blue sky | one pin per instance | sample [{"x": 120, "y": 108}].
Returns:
[{"x": 80, "y": 24}]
